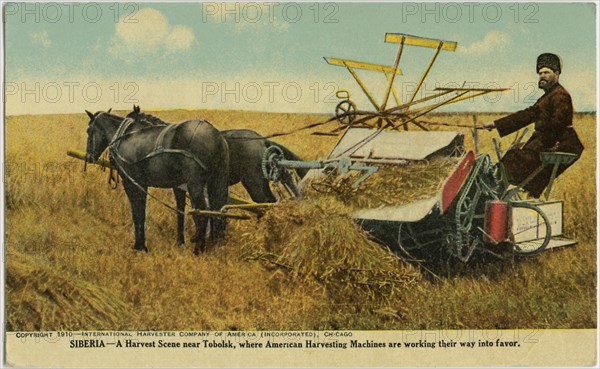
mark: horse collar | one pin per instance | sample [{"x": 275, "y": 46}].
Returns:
[{"x": 120, "y": 131}]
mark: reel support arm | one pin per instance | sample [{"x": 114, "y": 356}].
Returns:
[{"x": 274, "y": 163}]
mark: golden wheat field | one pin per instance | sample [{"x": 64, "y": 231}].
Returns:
[{"x": 70, "y": 262}]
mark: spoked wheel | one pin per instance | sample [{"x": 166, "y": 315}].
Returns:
[
  {"x": 270, "y": 168},
  {"x": 535, "y": 225},
  {"x": 412, "y": 237},
  {"x": 407, "y": 239},
  {"x": 345, "y": 112}
]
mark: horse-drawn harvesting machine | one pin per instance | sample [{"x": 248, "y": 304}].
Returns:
[{"x": 473, "y": 209}]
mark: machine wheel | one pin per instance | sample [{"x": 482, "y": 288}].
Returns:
[
  {"x": 412, "y": 236},
  {"x": 270, "y": 168},
  {"x": 345, "y": 112},
  {"x": 537, "y": 245},
  {"x": 406, "y": 237}
]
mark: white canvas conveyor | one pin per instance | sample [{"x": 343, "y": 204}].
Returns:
[
  {"x": 412, "y": 212},
  {"x": 407, "y": 145},
  {"x": 417, "y": 211},
  {"x": 392, "y": 147}
]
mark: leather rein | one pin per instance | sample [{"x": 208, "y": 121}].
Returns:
[{"x": 159, "y": 149}]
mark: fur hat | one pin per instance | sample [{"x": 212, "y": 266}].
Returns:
[{"x": 549, "y": 60}]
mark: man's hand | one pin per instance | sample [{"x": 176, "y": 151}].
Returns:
[{"x": 489, "y": 125}]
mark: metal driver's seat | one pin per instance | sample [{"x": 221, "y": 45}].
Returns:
[{"x": 555, "y": 159}]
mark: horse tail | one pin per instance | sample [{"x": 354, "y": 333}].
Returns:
[
  {"x": 289, "y": 155},
  {"x": 217, "y": 188}
]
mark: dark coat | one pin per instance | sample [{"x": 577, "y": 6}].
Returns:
[{"x": 553, "y": 118}]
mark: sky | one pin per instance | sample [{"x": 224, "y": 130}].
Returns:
[{"x": 62, "y": 57}]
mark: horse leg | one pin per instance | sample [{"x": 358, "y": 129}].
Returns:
[
  {"x": 199, "y": 203},
  {"x": 218, "y": 196},
  {"x": 258, "y": 189},
  {"x": 137, "y": 199},
  {"x": 180, "y": 199}
]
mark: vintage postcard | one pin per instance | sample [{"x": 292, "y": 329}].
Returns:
[{"x": 299, "y": 184}]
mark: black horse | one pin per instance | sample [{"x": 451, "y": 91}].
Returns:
[
  {"x": 246, "y": 151},
  {"x": 191, "y": 153}
]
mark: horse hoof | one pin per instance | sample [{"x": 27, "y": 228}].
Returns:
[{"x": 141, "y": 249}]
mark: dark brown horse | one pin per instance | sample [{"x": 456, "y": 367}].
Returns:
[{"x": 192, "y": 154}]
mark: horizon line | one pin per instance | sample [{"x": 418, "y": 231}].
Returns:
[{"x": 279, "y": 112}]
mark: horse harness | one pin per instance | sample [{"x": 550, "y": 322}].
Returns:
[
  {"x": 158, "y": 149},
  {"x": 159, "y": 146}
]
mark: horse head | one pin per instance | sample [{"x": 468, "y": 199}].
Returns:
[
  {"x": 136, "y": 113},
  {"x": 100, "y": 129}
]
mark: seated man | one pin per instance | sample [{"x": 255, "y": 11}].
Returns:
[{"x": 553, "y": 118}]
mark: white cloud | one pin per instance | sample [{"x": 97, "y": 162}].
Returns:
[
  {"x": 491, "y": 43},
  {"x": 149, "y": 30},
  {"x": 148, "y": 33},
  {"x": 180, "y": 38},
  {"x": 41, "y": 38}
]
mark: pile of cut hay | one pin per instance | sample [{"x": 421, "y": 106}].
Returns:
[
  {"x": 316, "y": 241},
  {"x": 391, "y": 185},
  {"x": 39, "y": 299}
]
